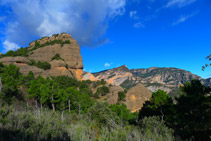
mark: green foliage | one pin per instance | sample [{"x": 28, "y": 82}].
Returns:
[
  {"x": 39, "y": 64},
  {"x": 123, "y": 112},
  {"x": 193, "y": 112},
  {"x": 160, "y": 104},
  {"x": 102, "y": 82},
  {"x": 38, "y": 45},
  {"x": 153, "y": 125},
  {"x": 121, "y": 95},
  {"x": 10, "y": 79},
  {"x": 57, "y": 57},
  {"x": 43, "y": 65},
  {"x": 1, "y": 67},
  {"x": 103, "y": 116},
  {"x": 101, "y": 91}
]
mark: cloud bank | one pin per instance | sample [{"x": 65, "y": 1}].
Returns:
[{"x": 86, "y": 20}]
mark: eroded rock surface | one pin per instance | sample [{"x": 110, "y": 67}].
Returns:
[{"x": 63, "y": 45}]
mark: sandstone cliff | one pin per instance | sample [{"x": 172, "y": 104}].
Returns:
[{"x": 61, "y": 51}]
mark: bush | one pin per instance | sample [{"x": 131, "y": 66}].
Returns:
[
  {"x": 101, "y": 91},
  {"x": 121, "y": 96},
  {"x": 57, "y": 57},
  {"x": 152, "y": 126},
  {"x": 39, "y": 64}
]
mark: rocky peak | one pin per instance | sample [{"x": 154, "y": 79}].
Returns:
[
  {"x": 60, "y": 51},
  {"x": 113, "y": 76}
]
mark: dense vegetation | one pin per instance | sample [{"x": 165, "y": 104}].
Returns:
[
  {"x": 39, "y": 64},
  {"x": 24, "y": 52},
  {"x": 62, "y": 108},
  {"x": 57, "y": 57}
]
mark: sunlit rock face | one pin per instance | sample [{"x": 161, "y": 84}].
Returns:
[{"x": 63, "y": 45}]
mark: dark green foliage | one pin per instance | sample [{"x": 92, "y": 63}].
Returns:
[
  {"x": 1, "y": 67},
  {"x": 101, "y": 91},
  {"x": 39, "y": 64},
  {"x": 155, "y": 125},
  {"x": 121, "y": 95},
  {"x": 193, "y": 111},
  {"x": 10, "y": 53},
  {"x": 57, "y": 57},
  {"x": 123, "y": 112},
  {"x": 103, "y": 115},
  {"x": 56, "y": 35},
  {"x": 102, "y": 82},
  {"x": 65, "y": 82},
  {"x": 38, "y": 45},
  {"x": 161, "y": 104},
  {"x": 10, "y": 81},
  {"x": 43, "y": 65},
  {"x": 190, "y": 117}
]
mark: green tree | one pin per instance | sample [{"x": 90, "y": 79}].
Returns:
[
  {"x": 160, "y": 104},
  {"x": 121, "y": 95},
  {"x": 193, "y": 112},
  {"x": 10, "y": 81}
]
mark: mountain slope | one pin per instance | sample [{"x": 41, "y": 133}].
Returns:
[{"x": 168, "y": 79}]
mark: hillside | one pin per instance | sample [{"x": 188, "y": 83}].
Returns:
[
  {"x": 154, "y": 78},
  {"x": 49, "y": 56}
]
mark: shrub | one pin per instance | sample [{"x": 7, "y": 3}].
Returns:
[
  {"x": 57, "y": 57},
  {"x": 121, "y": 96},
  {"x": 39, "y": 64},
  {"x": 152, "y": 126},
  {"x": 102, "y": 91}
]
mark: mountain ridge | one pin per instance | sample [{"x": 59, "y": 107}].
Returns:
[{"x": 168, "y": 79}]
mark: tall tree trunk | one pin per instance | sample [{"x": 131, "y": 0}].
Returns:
[
  {"x": 0, "y": 84},
  {"x": 62, "y": 116},
  {"x": 41, "y": 106},
  {"x": 79, "y": 109},
  {"x": 69, "y": 104},
  {"x": 53, "y": 104},
  {"x": 36, "y": 104}
]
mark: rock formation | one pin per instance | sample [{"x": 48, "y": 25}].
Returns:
[
  {"x": 136, "y": 97},
  {"x": 154, "y": 78},
  {"x": 63, "y": 46},
  {"x": 113, "y": 76}
]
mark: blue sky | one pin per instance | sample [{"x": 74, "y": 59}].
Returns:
[{"x": 136, "y": 33}]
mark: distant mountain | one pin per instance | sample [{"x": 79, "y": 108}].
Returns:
[{"x": 154, "y": 78}]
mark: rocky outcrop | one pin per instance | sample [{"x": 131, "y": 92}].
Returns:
[
  {"x": 89, "y": 76},
  {"x": 63, "y": 46},
  {"x": 167, "y": 79},
  {"x": 136, "y": 97},
  {"x": 14, "y": 60},
  {"x": 113, "y": 76}
]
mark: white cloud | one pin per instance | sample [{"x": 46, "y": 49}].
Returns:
[
  {"x": 107, "y": 64},
  {"x": 133, "y": 14},
  {"x": 86, "y": 20},
  {"x": 138, "y": 25},
  {"x": 179, "y": 3},
  {"x": 9, "y": 46},
  {"x": 183, "y": 19}
]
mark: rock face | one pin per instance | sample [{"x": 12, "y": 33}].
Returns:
[
  {"x": 63, "y": 45},
  {"x": 114, "y": 76},
  {"x": 167, "y": 79},
  {"x": 136, "y": 97}
]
